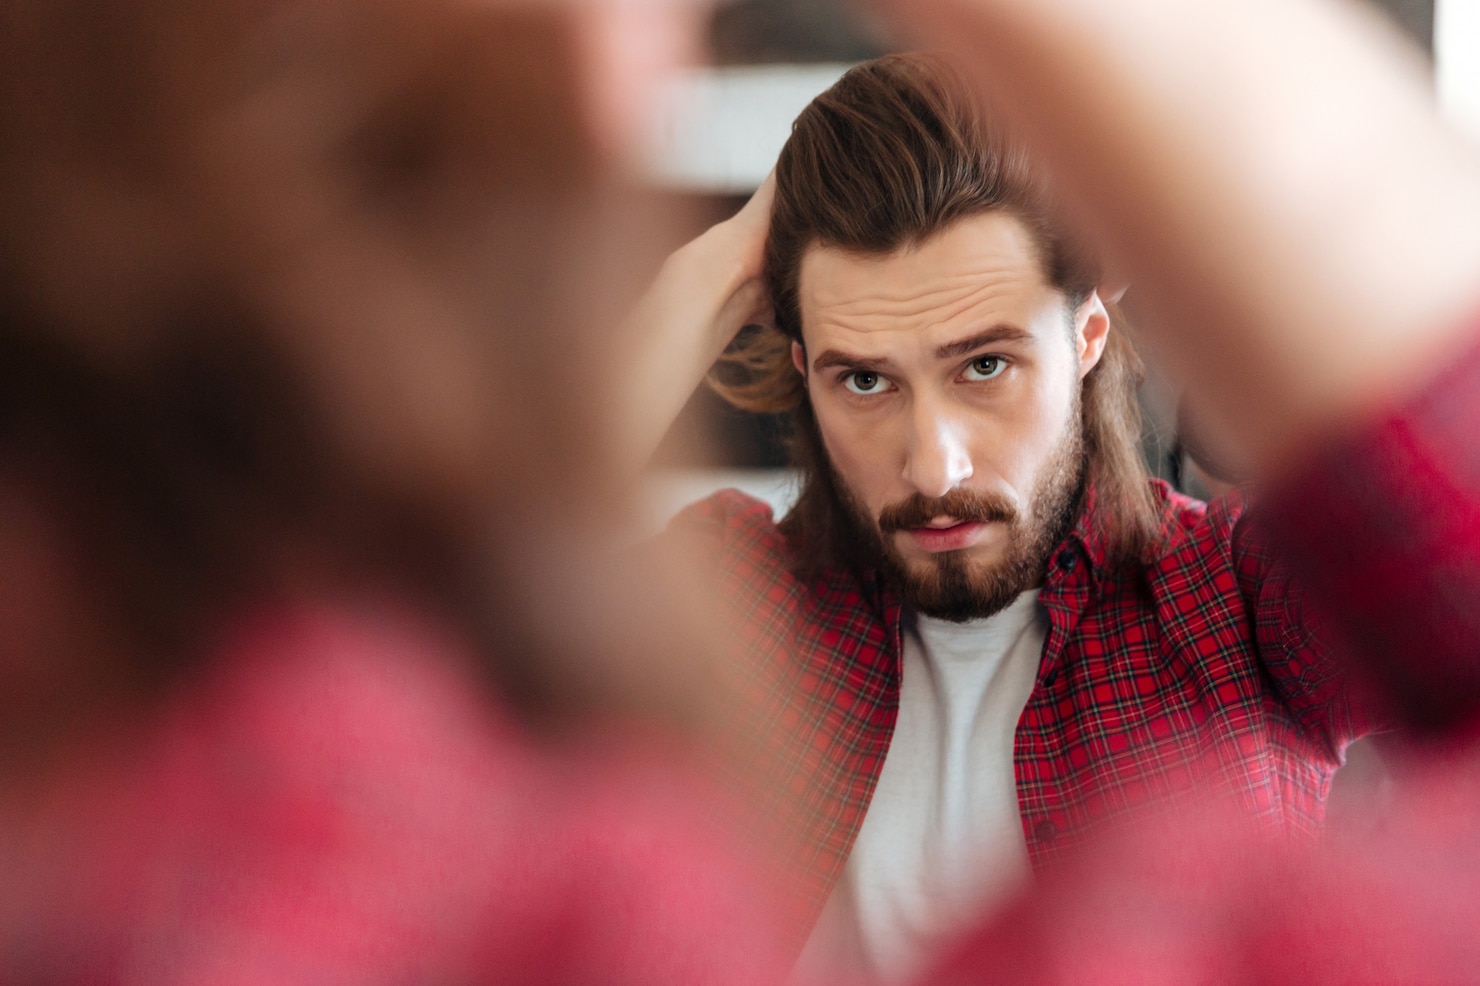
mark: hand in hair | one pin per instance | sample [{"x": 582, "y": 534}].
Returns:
[{"x": 704, "y": 294}]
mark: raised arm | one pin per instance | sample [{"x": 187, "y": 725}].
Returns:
[
  {"x": 1302, "y": 235},
  {"x": 1304, "y": 239},
  {"x": 705, "y": 292}
]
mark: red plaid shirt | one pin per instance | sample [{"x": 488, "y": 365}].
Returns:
[
  {"x": 333, "y": 799},
  {"x": 1196, "y": 668},
  {"x": 1383, "y": 525}
]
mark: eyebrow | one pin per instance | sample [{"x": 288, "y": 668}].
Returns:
[
  {"x": 988, "y": 337},
  {"x": 836, "y": 357}
]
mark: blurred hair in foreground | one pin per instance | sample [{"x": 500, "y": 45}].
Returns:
[{"x": 303, "y": 489}]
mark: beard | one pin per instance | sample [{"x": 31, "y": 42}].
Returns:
[{"x": 951, "y": 585}]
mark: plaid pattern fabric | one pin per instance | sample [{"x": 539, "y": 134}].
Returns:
[
  {"x": 1395, "y": 546},
  {"x": 1198, "y": 668},
  {"x": 333, "y": 799}
]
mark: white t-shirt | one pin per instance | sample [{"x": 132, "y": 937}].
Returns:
[{"x": 942, "y": 840}]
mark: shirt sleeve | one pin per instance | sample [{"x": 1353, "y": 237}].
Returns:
[
  {"x": 1382, "y": 525},
  {"x": 1298, "y": 645},
  {"x": 814, "y": 668},
  {"x": 732, "y": 539}
]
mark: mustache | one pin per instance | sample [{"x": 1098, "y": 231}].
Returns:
[{"x": 964, "y": 505}]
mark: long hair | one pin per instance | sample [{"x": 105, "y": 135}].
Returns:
[
  {"x": 892, "y": 154},
  {"x": 261, "y": 267}
]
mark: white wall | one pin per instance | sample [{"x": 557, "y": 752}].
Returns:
[
  {"x": 720, "y": 129},
  {"x": 1457, "y": 61}
]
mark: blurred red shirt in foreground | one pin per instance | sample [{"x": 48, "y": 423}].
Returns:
[{"x": 332, "y": 800}]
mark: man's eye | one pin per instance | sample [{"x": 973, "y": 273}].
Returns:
[
  {"x": 864, "y": 382},
  {"x": 985, "y": 367}
]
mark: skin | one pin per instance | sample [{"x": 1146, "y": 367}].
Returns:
[
  {"x": 705, "y": 292},
  {"x": 942, "y": 367}
]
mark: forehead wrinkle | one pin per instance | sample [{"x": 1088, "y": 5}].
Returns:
[
  {"x": 984, "y": 268},
  {"x": 942, "y": 305}
]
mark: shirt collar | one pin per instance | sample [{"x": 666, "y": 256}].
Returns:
[{"x": 1087, "y": 538}]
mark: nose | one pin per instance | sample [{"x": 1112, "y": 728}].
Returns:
[{"x": 936, "y": 457}]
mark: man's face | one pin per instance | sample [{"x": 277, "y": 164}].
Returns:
[{"x": 945, "y": 380}]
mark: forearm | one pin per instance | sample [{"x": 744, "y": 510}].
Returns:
[
  {"x": 704, "y": 294},
  {"x": 1302, "y": 237}
]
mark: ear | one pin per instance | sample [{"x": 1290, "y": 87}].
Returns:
[
  {"x": 799, "y": 358},
  {"x": 1091, "y": 332}
]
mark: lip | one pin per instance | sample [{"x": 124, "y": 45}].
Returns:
[{"x": 953, "y": 538}]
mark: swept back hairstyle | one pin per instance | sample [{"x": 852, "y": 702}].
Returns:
[{"x": 894, "y": 153}]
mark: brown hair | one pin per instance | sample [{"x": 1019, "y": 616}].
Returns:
[
  {"x": 258, "y": 267},
  {"x": 892, "y": 154}
]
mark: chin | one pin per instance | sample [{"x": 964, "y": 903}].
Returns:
[
  {"x": 975, "y": 563},
  {"x": 957, "y": 587}
]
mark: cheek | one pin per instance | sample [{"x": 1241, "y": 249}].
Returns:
[
  {"x": 1051, "y": 422},
  {"x": 1010, "y": 445},
  {"x": 1038, "y": 429},
  {"x": 861, "y": 452}
]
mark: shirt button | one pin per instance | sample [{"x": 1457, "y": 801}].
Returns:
[
  {"x": 1068, "y": 559},
  {"x": 1045, "y": 831}
]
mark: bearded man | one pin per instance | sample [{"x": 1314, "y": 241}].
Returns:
[{"x": 983, "y": 631}]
